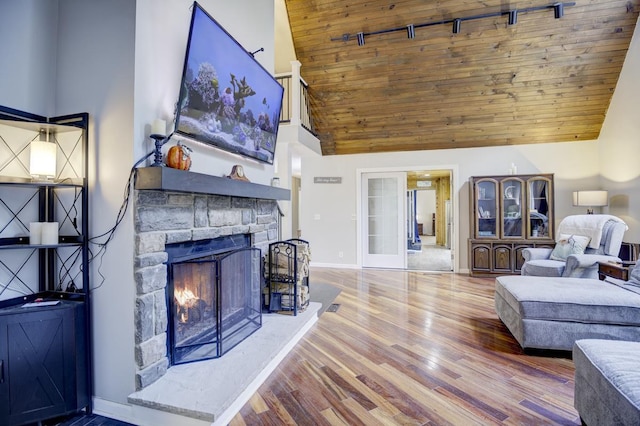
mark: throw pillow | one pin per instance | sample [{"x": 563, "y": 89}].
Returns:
[{"x": 569, "y": 244}]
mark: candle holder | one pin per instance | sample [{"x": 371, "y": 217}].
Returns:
[{"x": 157, "y": 155}]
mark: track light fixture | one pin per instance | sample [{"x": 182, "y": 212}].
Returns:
[
  {"x": 456, "y": 26},
  {"x": 411, "y": 31},
  {"x": 558, "y": 12}
]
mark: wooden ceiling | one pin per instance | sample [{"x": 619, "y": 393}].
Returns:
[{"x": 492, "y": 84}]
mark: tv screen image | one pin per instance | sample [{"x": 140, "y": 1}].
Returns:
[{"x": 227, "y": 99}]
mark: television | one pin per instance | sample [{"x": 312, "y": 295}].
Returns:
[{"x": 227, "y": 99}]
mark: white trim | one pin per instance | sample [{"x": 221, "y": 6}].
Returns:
[{"x": 334, "y": 265}]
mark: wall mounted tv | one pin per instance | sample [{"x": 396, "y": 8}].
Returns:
[{"x": 227, "y": 99}]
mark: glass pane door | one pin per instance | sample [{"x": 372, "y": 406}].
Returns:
[
  {"x": 384, "y": 220},
  {"x": 539, "y": 207},
  {"x": 486, "y": 194},
  {"x": 512, "y": 208}
]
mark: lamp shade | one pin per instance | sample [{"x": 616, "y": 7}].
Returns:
[
  {"x": 590, "y": 199},
  {"x": 42, "y": 159}
]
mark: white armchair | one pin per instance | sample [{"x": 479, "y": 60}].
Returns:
[{"x": 538, "y": 261}]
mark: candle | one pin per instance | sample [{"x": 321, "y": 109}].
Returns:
[
  {"x": 159, "y": 127},
  {"x": 50, "y": 233},
  {"x": 35, "y": 233}
]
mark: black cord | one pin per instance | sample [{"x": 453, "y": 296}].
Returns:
[{"x": 109, "y": 234}]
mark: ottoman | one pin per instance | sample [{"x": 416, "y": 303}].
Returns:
[
  {"x": 552, "y": 312},
  {"x": 607, "y": 382}
]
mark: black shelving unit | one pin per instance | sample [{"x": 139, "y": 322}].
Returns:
[{"x": 45, "y": 351}]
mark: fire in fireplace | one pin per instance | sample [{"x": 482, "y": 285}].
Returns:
[{"x": 213, "y": 295}]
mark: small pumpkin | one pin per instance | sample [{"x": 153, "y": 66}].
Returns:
[{"x": 179, "y": 157}]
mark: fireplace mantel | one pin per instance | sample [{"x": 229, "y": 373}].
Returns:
[{"x": 168, "y": 179}]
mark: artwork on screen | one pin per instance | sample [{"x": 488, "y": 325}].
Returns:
[{"x": 227, "y": 99}]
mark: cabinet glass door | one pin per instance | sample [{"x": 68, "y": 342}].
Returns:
[
  {"x": 511, "y": 192},
  {"x": 540, "y": 193},
  {"x": 486, "y": 194}
]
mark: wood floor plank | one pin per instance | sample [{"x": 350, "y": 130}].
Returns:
[{"x": 410, "y": 347}]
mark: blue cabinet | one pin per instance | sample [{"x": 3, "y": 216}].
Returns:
[{"x": 43, "y": 369}]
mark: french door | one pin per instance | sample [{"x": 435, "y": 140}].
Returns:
[{"x": 384, "y": 220}]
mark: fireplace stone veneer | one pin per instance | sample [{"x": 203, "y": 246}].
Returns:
[{"x": 164, "y": 217}]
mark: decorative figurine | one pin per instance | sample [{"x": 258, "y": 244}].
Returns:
[
  {"x": 179, "y": 157},
  {"x": 237, "y": 172}
]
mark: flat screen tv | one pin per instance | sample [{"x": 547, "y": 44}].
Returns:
[{"x": 227, "y": 99}]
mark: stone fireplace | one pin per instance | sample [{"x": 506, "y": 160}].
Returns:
[{"x": 174, "y": 207}]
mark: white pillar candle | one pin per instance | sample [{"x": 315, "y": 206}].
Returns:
[
  {"x": 159, "y": 127},
  {"x": 50, "y": 233},
  {"x": 35, "y": 233}
]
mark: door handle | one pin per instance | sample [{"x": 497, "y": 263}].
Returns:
[{"x": 1, "y": 371}]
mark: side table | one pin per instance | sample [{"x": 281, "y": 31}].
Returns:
[{"x": 614, "y": 270}]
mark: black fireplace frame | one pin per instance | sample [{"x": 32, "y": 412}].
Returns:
[{"x": 215, "y": 251}]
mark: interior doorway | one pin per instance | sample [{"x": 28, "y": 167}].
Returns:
[
  {"x": 444, "y": 243},
  {"x": 430, "y": 216}
]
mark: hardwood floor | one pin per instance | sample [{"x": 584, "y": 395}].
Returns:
[{"x": 417, "y": 348}]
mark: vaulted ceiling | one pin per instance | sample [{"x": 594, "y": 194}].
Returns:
[{"x": 491, "y": 84}]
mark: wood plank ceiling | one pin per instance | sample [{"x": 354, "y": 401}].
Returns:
[{"x": 492, "y": 84}]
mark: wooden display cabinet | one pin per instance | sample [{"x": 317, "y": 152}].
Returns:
[{"x": 508, "y": 214}]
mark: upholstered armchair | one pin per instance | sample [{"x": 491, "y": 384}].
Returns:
[{"x": 604, "y": 235}]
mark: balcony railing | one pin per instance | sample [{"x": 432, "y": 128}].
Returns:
[{"x": 291, "y": 105}]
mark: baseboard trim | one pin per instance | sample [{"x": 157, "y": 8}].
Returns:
[{"x": 334, "y": 265}]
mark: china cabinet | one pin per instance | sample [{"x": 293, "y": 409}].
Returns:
[
  {"x": 508, "y": 214},
  {"x": 44, "y": 274}
]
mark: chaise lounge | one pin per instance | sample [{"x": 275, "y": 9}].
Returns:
[{"x": 552, "y": 313}]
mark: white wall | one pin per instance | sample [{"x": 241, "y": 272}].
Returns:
[
  {"x": 283, "y": 41},
  {"x": 95, "y": 75},
  {"x": 28, "y": 50},
  {"x": 620, "y": 144},
  {"x": 425, "y": 208}
]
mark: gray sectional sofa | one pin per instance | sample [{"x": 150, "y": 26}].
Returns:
[
  {"x": 607, "y": 382},
  {"x": 598, "y": 320}
]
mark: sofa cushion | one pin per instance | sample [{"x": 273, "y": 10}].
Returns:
[
  {"x": 607, "y": 385},
  {"x": 569, "y": 244},
  {"x": 544, "y": 268},
  {"x": 570, "y": 300}
]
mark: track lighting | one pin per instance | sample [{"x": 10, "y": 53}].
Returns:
[
  {"x": 456, "y": 26},
  {"x": 558, "y": 10},
  {"x": 411, "y": 31},
  {"x": 512, "y": 15}
]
